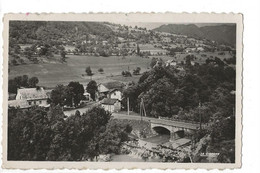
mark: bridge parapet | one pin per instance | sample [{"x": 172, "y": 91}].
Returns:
[{"x": 175, "y": 124}]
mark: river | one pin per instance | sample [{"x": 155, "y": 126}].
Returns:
[{"x": 131, "y": 158}]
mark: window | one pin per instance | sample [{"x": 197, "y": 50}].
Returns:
[
  {"x": 114, "y": 93},
  {"x": 34, "y": 102},
  {"x": 40, "y": 102},
  {"x": 29, "y": 103}
]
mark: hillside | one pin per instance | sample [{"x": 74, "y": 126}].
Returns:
[
  {"x": 23, "y": 32},
  {"x": 222, "y": 33}
]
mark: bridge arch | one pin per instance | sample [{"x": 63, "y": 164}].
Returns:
[{"x": 161, "y": 130}]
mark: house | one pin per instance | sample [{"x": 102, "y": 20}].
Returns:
[
  {"x": 104, "y": 89},
  {"x": 187, "y": 50},
  {"x": 87, "y": 96},
  {"x": 201, "y": 49},
  {"x": 27, "y": 97},
  {"x": 104, "y": 43},
  {"x": 111, "y": 105},
  {"x": 170, "y": 63},
  {"x": 23, "y": 104},
  {"x": 115, "y": 94},
  {"x": 111, "y": 93}
]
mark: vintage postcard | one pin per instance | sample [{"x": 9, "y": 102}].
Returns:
[{"x": 148, "y": 90}]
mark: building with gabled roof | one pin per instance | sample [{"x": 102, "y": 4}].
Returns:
[
  {"x": 104, "y": 89},
  {"x": 23, "y": 104},
  {"x": 33, "y": 96},
  {"x": 115, "y": 94},
  {"x": 111, "y": 105}
]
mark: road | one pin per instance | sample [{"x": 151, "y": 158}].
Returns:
[
  {"x": 81, "y": 110},
  {"x": 134, "y": 116}
]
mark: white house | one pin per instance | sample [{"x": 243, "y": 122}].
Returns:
[
  {"x": 111, "y": 105},
  {"x": 170, "y": 63},
  {"x": 201, "y": 49},
  {"x": 104, "y": 89},
  {"x": 23, "y": 104},
  {"x": 27, "y": 97},
  {"x": 187, "y": 50},
  {"x": 115, "y": 94}
]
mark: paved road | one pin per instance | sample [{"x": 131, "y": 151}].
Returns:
[
  {"x": 81, "y": 110},
  {"x": 132, "y": 116},
  {"x": 156, "y": 120}
]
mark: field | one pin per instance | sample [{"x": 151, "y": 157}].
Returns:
[
  {"x": 51, "y": 74},
  {"x": 200, "y": 59}
]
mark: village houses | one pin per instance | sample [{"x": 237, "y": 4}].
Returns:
[
  {"x": 110, "y": 94},
  {"x": 28, "y": 97}
]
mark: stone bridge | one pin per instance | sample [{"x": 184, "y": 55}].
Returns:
[{"x": 176, "y": 129}]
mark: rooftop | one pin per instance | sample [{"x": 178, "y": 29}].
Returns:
[
  {"x": 108, "y": 101},
  {"x": 113, "y": 85},
  {"x": 32, "y": 93}
]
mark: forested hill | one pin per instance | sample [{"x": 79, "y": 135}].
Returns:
[
  {"x": 24, "y": 32},
  {"x": 225, "y": 34}
]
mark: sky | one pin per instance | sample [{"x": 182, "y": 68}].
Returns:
[{"x": 155, "y": 25}]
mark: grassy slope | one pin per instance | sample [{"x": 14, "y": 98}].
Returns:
[{"x": 51, "y": 74}]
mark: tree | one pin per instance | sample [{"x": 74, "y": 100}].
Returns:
[
  {"x": 153, "y": 62},
  {"x": 58, "y": 95},
  {"x": 63, "y": 55},
  {"x": 111, "y": 139},
  {"x": 21, "y": 81},
  {"x": 126, "y": 74},
  {"x": 14, "y": 62},
  {"x": 100, "y": 70},
  {"x": 137, "y": 49},
  {"x": 28, "y": 52},
  {"x": 92, "y": 89},
  {"x": 172, "y": 52},
  {"x": 137, "y": 71},
  {"x": 88, "y": 71},
  {"x": 40, "y": 135},
  {"x": 33, "y": 82},
  {"x": 74, "y": 93}
]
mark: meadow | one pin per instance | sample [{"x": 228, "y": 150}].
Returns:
[{"x": 51, "y": 74}]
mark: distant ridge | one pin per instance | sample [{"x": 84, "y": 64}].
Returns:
[{"x": 224, "y": 34}]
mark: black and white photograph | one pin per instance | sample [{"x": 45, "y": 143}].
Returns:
[{"x": 123, "y": 91}]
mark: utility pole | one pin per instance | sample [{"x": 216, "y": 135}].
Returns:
[
  {"x": 141, "y": 110},
  {"x": 200, "y": 114},
  {"x": 143, "y": 107},
  {"x": 127, "y": 105}
]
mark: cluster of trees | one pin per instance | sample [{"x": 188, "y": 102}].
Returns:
[
  {"x": 69, "y": 95},
  {"x": 201, "y": 83},
  {"x": 137, "y": 71},
  {"x": 166, "y": 93},
  {"x": 22, "y": 81},
  {"x": 40, "y": 135},
  {"x": 205, "y": 93},
  {"x": 25, "y": 32},
  {"x": 37, "y": 50},
  {"x": 172, "y": 51},
  {"x": 230, "y": 60},
  {"x": 126, "y": 73}
]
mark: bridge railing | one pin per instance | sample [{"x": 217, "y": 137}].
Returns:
[{"x": 175, "y": 119}]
